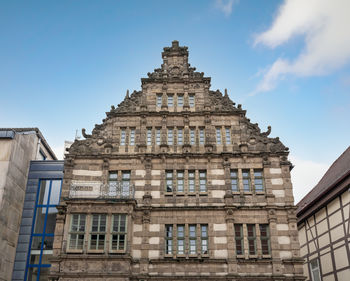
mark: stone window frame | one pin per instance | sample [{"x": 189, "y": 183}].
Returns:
[
  {"x": 247, "y": 180},
  {"x": 87, "y": 232},
  {"x": 256, "y": 239},
  {"x": 172, "y": 238},
  {"x": 100, "y": 233},
  {"x": 171, "y": 179}
]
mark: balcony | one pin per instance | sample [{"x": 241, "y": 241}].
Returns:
[{"x": 98, "y": 190}]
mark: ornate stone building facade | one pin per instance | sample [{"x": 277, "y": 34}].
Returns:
[{"x": 177, "y": 184}]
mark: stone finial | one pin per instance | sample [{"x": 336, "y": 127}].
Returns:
[
  {"x": 226, "y": 93},
  {"x": 127, "y": 94},
  {"x": 175, "y": 44}
]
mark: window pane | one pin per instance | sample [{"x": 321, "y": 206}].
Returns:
[
  {"x": 149, "y": 136},
  {"x": 55, "y": 192},
  {"x": 191, "y": 100},
  {"x": 170, "y": 100},
  {"x": 158, "y": 137},
  {"x": 179, "y": 137},
  {"x": 40, "y": 220},
  {"x": 159, "y": 100},
  {"x": 44, "y": 192},
  {"x": 218, "y": 135},
  {"x": 170, "y": 136},
  {"x": 246, "y": 180},
  {"x": 122, "y": 137},
  {"x": 192, "y": 137},
  {"x": 201, "y": 136},
  {"x": 180, "y": 100},
  {"x": 228, "y": 135}
]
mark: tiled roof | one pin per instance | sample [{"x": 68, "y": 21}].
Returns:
[{"x": 337, "y": 171}]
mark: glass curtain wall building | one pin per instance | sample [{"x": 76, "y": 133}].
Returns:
[{"x": 35, "y": 242}]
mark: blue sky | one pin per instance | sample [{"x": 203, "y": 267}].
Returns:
[{"x": 64, "y": 63}]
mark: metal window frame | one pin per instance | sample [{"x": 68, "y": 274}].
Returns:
[{"x": 43, "y": 234}]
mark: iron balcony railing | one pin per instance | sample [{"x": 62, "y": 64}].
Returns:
[{"x": 98, "y": 190}]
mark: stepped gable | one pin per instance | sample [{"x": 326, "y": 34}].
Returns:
[{"x": 177, "y": 71}]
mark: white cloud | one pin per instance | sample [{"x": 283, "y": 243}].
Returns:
[
  {"x": 324, "y": 24},
  {"x": 305, "y": 175},
  {"x": 225, "y": 6}
]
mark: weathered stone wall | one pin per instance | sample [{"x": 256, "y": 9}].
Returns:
[
  {"x": 243, "y": 147},
  {"x": 15, "y": 156}
]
